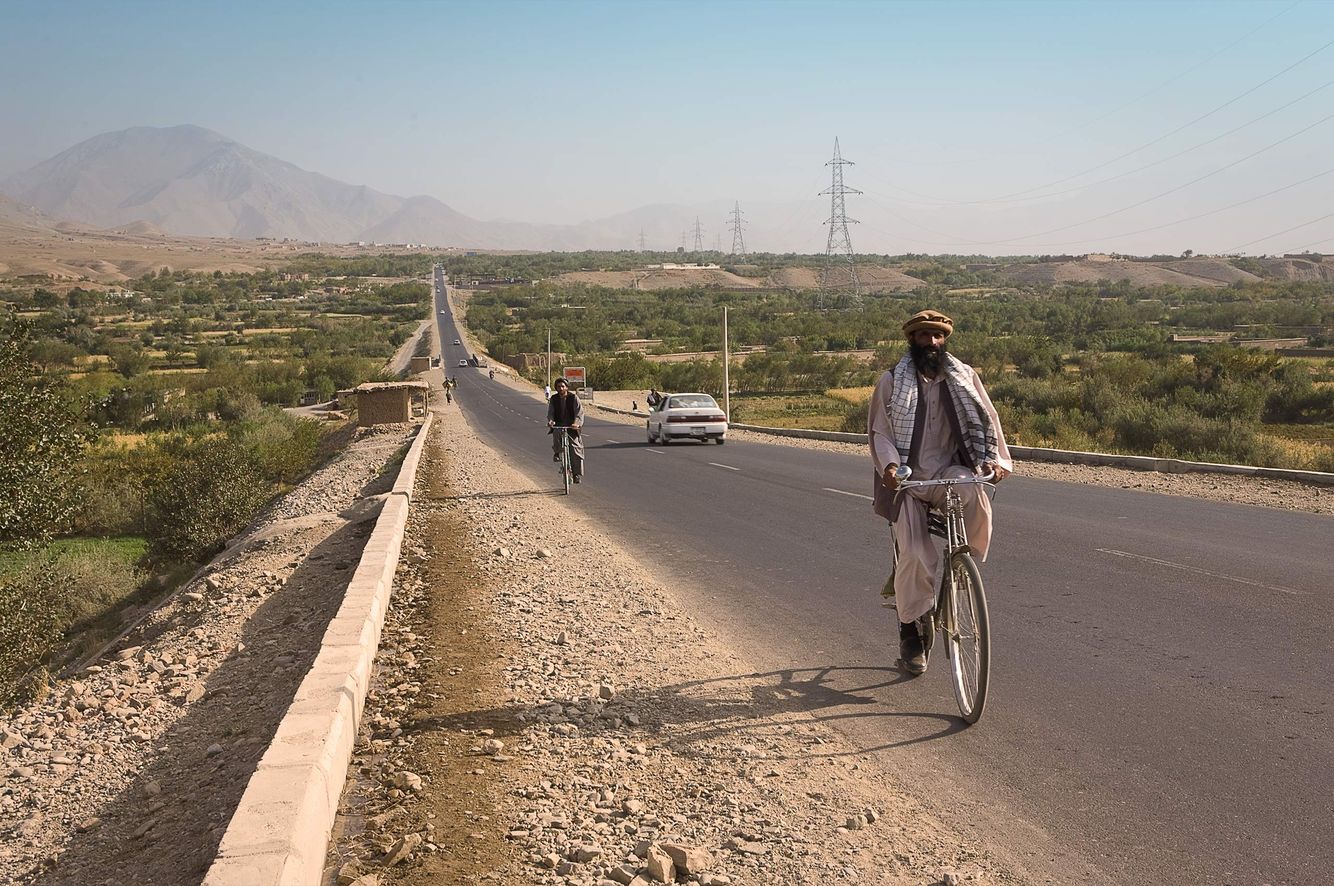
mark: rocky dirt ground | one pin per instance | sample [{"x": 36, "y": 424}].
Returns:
[
  {"x": 546, "y": 712},
  {"x": 129, "y": 771},
  {"x": 1282, "y": 494}
]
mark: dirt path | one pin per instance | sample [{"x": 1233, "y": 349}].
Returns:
[
  {"x": 547, "y": 712},
  {"x": 130, "y": 772}
]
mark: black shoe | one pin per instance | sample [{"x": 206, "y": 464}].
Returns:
[
  {"x": 912, "y": 651},
  {"x": 577, "y": 478},
  {"x": 556, "y": 457}
]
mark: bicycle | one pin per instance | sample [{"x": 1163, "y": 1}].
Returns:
[
  {"x": 566, "y": 465},
  {"x": 960, "y": 614}
]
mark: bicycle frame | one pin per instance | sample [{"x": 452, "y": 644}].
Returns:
[
  {"x": 947, "y": 523},
  {"x": 566, "y": 465}
]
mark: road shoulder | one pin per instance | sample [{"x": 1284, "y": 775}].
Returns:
[{"x": 547, "y": 712}]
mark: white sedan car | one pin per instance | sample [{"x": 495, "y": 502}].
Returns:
[{"x": 696, "y": 416}]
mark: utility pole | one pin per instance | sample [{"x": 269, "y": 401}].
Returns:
[
  {"x": 548, "y": 356},
  {"x": 738, "y": 241},
  {"x": 727, "y": 377},
  {"x": 699, "y": 236},
  {"x": 839, "y": 249}
]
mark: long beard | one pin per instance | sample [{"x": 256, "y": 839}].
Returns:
[{"x": 927, "y": 358}]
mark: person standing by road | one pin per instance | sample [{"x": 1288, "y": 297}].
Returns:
[
  {"x": 565, "y": 411},
  {"x": 931, "y": 413}
]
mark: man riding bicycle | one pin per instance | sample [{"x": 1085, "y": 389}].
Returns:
[
  {"x": 931, "y": 413},
  {"x": 565, "y": 411}
]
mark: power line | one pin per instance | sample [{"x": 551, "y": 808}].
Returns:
[
  {"x": 1281, "y": 233},
  {"x": 1060, "y": 181},
  {"x": 1170, "y": 191},
  {"x": 1170, "y": 157},
  {"x": 971, "y": 242},
  {"x": 840, "y": 241},
  {"x": 1119, "y": 108}
]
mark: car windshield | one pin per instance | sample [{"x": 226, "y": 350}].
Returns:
[{"x": 692, "y": 401}]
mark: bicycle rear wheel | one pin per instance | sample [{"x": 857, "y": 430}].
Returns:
[{"x": 969, "y": 638}]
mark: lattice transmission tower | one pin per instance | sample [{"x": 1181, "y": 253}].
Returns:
[
  {"x": 699, "y": 236},
  {"x": 838, "y": 252},
  {"x": 736, "y": 223},
  {"x": 641, "y": 240}
]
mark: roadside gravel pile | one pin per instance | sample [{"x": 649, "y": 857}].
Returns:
[
  {"x": 1286, "y": 495},
  {"x": 129, "y": 772},
  {"x": 561, "y": 720}
]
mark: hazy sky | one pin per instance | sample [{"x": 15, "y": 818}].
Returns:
[{"x": 976, "y": 127}]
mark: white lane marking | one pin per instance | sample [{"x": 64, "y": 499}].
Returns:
[
  {"x": 729, "y": 467},
  {"x": 853, "y": 494},
  {"x": 1196, "y": 570},
  {"x": 659, "y": 451},
  {"x": 610, "y": 440}
]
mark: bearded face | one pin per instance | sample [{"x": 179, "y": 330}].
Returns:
[{"x": 928, "y": 358}]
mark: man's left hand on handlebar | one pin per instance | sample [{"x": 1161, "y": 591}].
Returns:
[{"x": 993, "y": 468}]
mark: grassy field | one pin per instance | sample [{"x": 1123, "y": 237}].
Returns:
[
  {"x": 820, "y": 412},
  {"x": 125, "y": 550}
]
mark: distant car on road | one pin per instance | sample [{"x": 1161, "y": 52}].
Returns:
[
  {"x": 444, "y": 312},
  {"x": 463, "y": 362},
  {"x": 696, "y": 416},
  {"x": 457, "y": 342}
]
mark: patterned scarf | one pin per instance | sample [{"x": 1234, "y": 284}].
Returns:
[{"x": 979, "y": 437}]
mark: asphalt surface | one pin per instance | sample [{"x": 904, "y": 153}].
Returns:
[{"x": 1160, "y": 708}]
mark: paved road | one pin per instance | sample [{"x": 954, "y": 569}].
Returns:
[{"x": 1161, "y": 705}]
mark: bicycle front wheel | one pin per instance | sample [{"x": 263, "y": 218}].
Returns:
[
  {"x": 969, "y": 638},
  {"x": 566, "y": 472}
]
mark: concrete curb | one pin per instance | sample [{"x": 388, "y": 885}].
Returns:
[
  {"x": 279, "y": 833},
  {"x": 1062, "y": 456}
]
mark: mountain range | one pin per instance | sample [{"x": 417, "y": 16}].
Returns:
[{"x": 190, "y": 181}]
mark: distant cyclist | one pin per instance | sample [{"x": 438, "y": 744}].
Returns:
[
  {"x": 565, "y": 411},
  {"x": 931, "y": 413}
]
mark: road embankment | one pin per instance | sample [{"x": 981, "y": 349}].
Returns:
[{"x": 281, "y": 826}]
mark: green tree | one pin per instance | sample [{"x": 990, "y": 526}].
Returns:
[{"x": 42, "y": 439}]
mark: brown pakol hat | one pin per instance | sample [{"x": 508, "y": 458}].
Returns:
[{"x": 928, "y": 320}]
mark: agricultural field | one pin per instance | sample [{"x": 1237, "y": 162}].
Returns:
[
  {"x": 144, "y": 426},
  {"x": 1168, "y": 357}
]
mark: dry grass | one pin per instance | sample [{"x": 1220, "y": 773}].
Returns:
[
  {"x": 851, "y": 396},
  {"x": 1302, "y": 454}
]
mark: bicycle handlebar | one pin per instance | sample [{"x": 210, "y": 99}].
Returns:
[{"x": 904, "y": 472}]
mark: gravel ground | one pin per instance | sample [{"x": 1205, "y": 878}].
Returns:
[
  {"x": 129, "y": 772},
  {"x": 1282, "y": 494},
  {"x": 545, "y": 711}
]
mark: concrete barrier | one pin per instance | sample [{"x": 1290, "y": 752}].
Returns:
[
  {"x": 280, "y": 831},
  {"x": 1062, "y": 456}
]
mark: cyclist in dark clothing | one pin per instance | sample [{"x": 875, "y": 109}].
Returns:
[{"x": 565, "y": 411}]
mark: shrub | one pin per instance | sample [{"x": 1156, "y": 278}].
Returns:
[
  {"x": 283, "y": 446},
  {"x": 34, "y": 608},
  {"x": 51, "y": 592},
  {"x": 208, "y": 494}
]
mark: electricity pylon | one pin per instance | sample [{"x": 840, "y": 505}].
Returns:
[
  {"x": 699, "y": 236},
  {"x": 839, "y": 248},
  {"x": 738, "y": 241}
]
